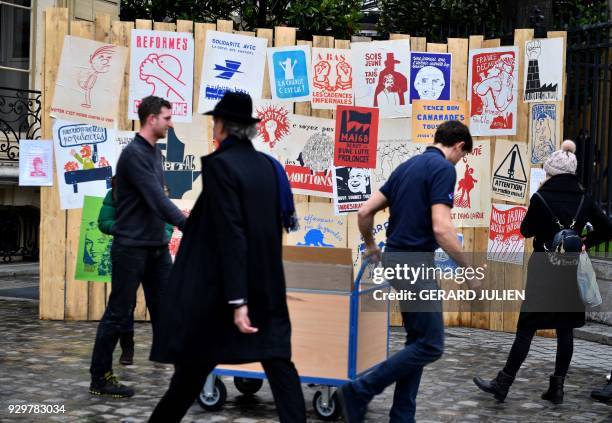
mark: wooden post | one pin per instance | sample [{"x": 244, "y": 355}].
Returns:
[{"x": 52, "y": 218}]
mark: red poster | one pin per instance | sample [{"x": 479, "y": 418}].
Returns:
[
  {"x": 302, "y": 178},
  {"x": 506, "y": 244},
  {"x": 356, "y": 136}
]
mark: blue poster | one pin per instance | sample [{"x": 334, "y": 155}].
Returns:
[
  {"x": 430, "y": 76},
  {"x": 289, "y": 77}
]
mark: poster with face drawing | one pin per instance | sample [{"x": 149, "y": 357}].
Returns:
[
  {"x": 231, "y": 62},
  {"x": 175, "y": 240},
  {"x": 381, "y": 71},
  {"x": 544, "y": 69},
  {"x": 274, "y": 128},
  {"x": 310, "y": 156},
  {"x": 332, "y": 78},
  {"x": 493, "y": 90},
  {"x": 161, "y": 64},
  {"x": 472, "y": 201},
  {"x": 394, "y": 148},
  {"x": 89, "y": 82},
  {"x": 506, "y": 244},
  {"x": 289, "y": 72},
  {"x": 352, "y": 188},
  {"x": 93, "y": 261},
  {"x": 319, "y": 227},
  {"x": 430, "y": 76},
  {"x": 85, "y": 159},
  {"x": 35, "y": 163},
  {"x": 544, "y": 131}
]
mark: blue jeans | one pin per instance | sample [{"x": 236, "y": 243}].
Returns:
[
  {"x": 131, "y": 266},
  {"x": 424, "y": 345}
]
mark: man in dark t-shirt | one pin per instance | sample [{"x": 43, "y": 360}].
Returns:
[{"x": 419, "y": 194}]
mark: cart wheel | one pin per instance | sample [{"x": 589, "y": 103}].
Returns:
[
  {"x": 247, "y": 385},
  {"x": 215, "y": 401},
  {"x": 329, "y": 411}
]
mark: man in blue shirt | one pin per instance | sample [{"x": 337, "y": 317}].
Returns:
[{"x": 419, "y": 194}]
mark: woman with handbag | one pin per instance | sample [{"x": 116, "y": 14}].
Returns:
[{"x": 556, "y": 216}]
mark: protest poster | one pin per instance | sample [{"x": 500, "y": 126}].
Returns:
[
  {"x": 231, "y": 62},
  {"x": 309, "y": 156},
  {"x": 472, "y": 200},
  {"x": 544, "y": 131},
  {"x": 289, "y": 72},
  {"x": 319, "y": 227},
  {"x": 510, "y": 171},
  {"x": 356, "y": 136},
  {"x": 89, "y": 80},
  {"x": 85, "y": 159},
  {"x": 536, "y": 179},
  {"x": 275, "y": 126},
  {"x": 352, "y": 188},
  {"x": 122, "y": 139},
  {"x": 35, "y": 163},
  {"x": 428, "y": 115},
  {"x": 493, "y": 90},
  {"x": 430, "y": 76},
  {"x": 175, "y": 240},
  {"x": 543, "y": 74},
  {"x": 161, "y": 64},
  {"x": 93, "y": 261},
  {"x": 394, "y": 147},
  {"x": 381, "y": 72},
  {"x": 332, "y": 78},
  {"x": 505, "y": 243}
]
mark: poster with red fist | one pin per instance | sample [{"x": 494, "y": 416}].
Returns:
[
  {"x": 493, "y": 90},
  {"x": 356, "y": 136}
]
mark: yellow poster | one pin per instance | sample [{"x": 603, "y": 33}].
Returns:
[{"x": 427, "y": 115}]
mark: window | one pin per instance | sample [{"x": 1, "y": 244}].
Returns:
[{"x": 15, "y": 30}]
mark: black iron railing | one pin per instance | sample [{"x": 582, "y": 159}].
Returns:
[
  {"x": 20, "y": 112},
  {"x": 588, "y": 114}
]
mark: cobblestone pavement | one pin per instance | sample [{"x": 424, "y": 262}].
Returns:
[{"x": 44, "y": 362}]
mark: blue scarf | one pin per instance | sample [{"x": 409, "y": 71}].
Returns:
[{"x": 289, "y": 217}]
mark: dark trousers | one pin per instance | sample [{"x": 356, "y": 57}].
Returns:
[
  {"x": 424, "y": 345},
  {"x": 188, "y": 381},
  {"x": 522, "y": 343},
  {"x": 131, "y": 266}
]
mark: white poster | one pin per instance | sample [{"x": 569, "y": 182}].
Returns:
[
  {"x": 319, "y": 227},
  {"x": 332, "y": 78},
  {"x": 506, "y": 244},
  {"x": 35, "y": 162},
  {"x": 89, "y": 80},
  {"x": 161, "y": 64},
  {"x": 544, "y": 66},
  {"x": 493, "y": 90},
  {"x": 394, "y": 147},
  {"x": 536, "y": 179},
  {"x": 381, "y": 72},
  {"x": 275, "y": 126},
  {"x": 472, "y": 201},
  {"x": 544, "y": 131},
  {"x": 310, "y": 155},
  {"x": 352, "y": 188},
  {"x": 85, "y": 159},
  {"x": 289, "y": 70},
  {"x": 510, "y": 171},
  {"x": 231, "y": 62},
  {"x": 122, "y": 139}
]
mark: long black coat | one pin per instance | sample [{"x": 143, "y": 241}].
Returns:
[
  {"x": 231, "y": 249},
  {"x": 552, "y": 298}
]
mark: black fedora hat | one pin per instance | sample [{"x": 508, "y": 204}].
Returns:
[{"x": 235, "y": 107}]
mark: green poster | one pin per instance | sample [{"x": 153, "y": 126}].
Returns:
[{"x": 93, "y": 258}]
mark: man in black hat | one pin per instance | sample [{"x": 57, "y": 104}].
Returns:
[{"x": 226, "y": 300}]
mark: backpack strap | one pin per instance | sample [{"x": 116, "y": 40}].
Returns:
[{"x": 555, "y": 217}]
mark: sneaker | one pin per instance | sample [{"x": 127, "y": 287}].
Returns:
[
  {"x": 603, "y": 394},
  {"x": 352, "y": 410},
  {"x": 109, "y": 385}
]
